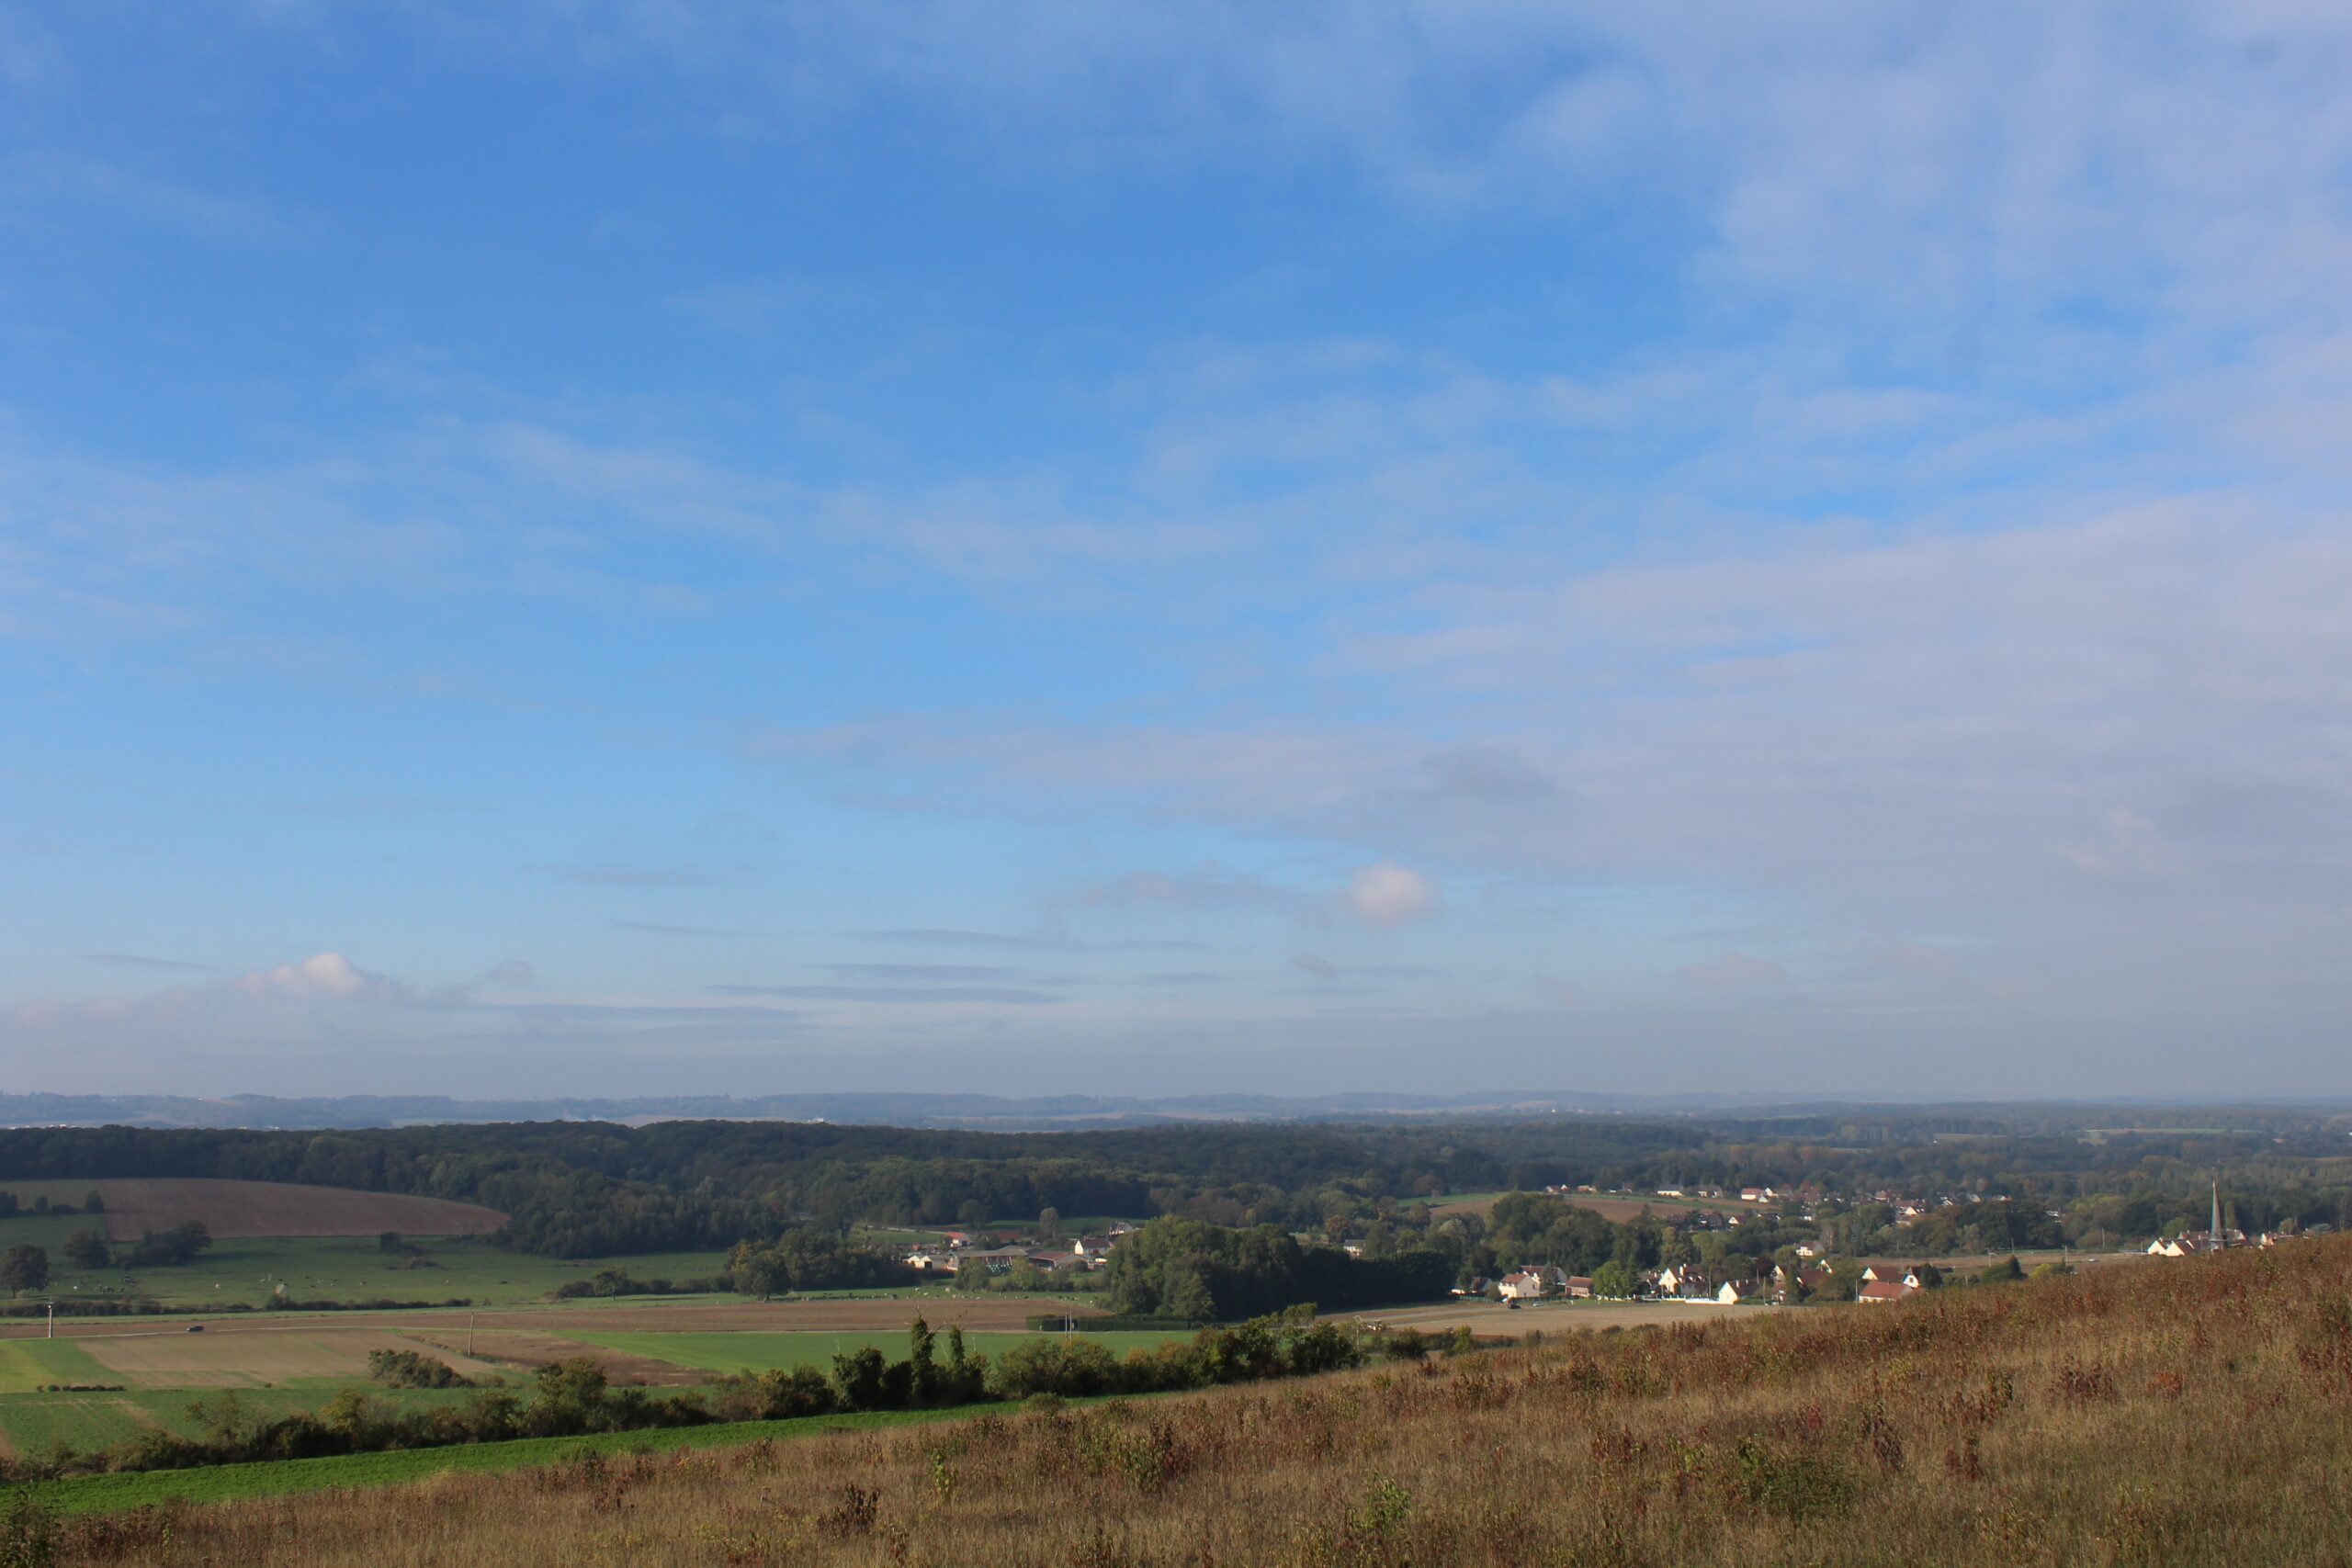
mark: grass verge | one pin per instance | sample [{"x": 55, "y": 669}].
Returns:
[{"x": 222, "y": 1483}]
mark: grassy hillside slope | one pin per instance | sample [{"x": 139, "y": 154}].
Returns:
[{"x": 2195, "y": 1413}]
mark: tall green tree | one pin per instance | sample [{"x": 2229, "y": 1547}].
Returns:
[
  {"x": 1613, "y": 1280},
  {"x": 87, "y": 1248},
  {"x": 24, "y": 1268}
]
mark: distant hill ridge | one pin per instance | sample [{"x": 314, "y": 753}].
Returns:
[
  {"x": 869, "y": 1109},
  {"x": 1009, "y": 1113}
]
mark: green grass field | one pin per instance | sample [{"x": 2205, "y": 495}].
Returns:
[
  {"x": 248, "y": 1271},
  {"x": 106, "y": 1493},
  {"x": 759, "y": 1352},
  {"x": 46, "y": 1232},
  {"x": 36, "y": 1423},
  {"x": 26, "y": 1364}
]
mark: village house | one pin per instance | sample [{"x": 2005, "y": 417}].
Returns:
[
  {"x": 1527, "y": 1285},
  {"x": 1578, "y": 1287},
  {"x": 1731, "y": 1292},
  {"x": 1685, "y": 1280},
  {"x": 2191, "y": 1243},
  {"x": 1878, "y": 1293}
]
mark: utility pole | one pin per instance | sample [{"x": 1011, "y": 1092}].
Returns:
[
  {"x": 469, "y": 1334},
  {"x": 53, "y": 1319}
]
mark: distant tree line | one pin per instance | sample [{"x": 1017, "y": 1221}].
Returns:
[{"x": 582, "y": 1190}]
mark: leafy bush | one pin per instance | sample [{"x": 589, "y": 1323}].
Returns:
[
  {"x": 177, "y": 1245},
  {"x": 407, "y": 1369}
]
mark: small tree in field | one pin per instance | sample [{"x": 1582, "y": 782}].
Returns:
[
  {"x": 25, "y": 1268},
  {"x": 88, "y": 1249}
]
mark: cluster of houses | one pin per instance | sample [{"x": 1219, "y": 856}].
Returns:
[
  {"x": 956, "y": 1251},
  {"x": 1688, "y": 1282},
  {"x": 2189, "y": 1244},
  {"x": 2218, "y": 1238}
]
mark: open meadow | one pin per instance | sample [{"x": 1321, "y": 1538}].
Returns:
[
  {"x": 2114, "y": 1417},
  {"x": 126, "y": 1375}
]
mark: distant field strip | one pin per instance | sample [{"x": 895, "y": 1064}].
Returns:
[
  {"x": 759, "y": 1352},
  {"x": 282, "y": 1209},
  {"x": 246, "y": 1357}
]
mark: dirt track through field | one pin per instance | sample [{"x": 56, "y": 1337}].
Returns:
[{"x": 281, "y": 1209}]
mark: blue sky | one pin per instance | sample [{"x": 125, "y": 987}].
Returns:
[{"x": 641, "y": 547}]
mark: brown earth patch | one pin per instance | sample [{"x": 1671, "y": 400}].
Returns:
[
  {"x": 252, "y": 1355},
  {"x": 277, "y": 1208}
]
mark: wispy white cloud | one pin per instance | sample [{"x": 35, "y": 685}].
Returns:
[
  {"x": 323, "y": 976},
  {"x": 1387, "y": 895}
]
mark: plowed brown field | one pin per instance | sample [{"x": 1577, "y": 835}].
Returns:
[{"x": 275, "y": 1208}]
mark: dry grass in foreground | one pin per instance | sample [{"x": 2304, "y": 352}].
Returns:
[{"x": 2196, "y": 1413}]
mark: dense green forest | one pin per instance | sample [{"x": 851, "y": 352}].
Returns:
[{"x": 604, "y": 1189}]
